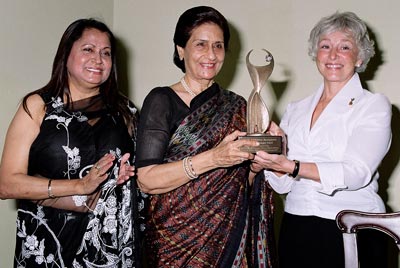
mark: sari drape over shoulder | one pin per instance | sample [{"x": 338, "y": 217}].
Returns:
[{"x": 204, "y": 223}]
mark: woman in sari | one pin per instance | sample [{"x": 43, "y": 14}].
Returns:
[{"x": 189, "y": 159}]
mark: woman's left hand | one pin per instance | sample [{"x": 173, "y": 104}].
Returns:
[
  {"x": 274, "y": 162},
  {"x": 125, "y": 170}
]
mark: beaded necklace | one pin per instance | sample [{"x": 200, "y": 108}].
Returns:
[{"x": 187, "y": 88}]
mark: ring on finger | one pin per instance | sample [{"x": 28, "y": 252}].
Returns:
[{"x": 97, "y": 167}]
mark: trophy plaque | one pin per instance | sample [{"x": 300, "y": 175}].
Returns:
[{"x": 258, "y": 117}]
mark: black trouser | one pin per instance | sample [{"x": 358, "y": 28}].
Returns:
[{"x": 309, "y": 241}]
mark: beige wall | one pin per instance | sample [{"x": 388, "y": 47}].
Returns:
[{"x": 30, "y": 32}]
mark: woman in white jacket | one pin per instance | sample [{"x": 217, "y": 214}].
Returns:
[{"x": 336, "y": 139}]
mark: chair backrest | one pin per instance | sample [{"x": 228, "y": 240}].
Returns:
[{"x": 350, "y": 221}]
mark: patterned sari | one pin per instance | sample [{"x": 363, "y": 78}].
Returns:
[{"x": 204, "y": 223}]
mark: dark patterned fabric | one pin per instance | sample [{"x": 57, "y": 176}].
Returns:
[
  {"x": 203, "y": 223},
  {"x": 262, "y": 249},
  {"x": 70, "y": 141}
]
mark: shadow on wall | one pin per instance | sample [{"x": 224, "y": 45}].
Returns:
[
  {"x": 385, "y": 170},
  {"x": 123, "y": 59},
  {"x": 376, "y": 61},
  {"x": 228, "y": 71},
  {"x": 392, "y": 158}
]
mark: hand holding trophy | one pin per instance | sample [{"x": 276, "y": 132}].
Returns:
[{"x": 258, "y": 117}]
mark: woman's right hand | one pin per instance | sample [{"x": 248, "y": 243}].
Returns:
[
  {"x": 97, "y": 174},
  {"x": 90, "y": 183},
  {"x": 228, "y": 152}
]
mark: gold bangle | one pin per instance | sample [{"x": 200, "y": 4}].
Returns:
[{"x": 51, "y": 195}]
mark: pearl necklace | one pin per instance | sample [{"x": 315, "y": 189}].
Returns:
[{"x": 187, "y": 88}]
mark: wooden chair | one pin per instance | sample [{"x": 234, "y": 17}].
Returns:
[{"x": 350, "y": 221}]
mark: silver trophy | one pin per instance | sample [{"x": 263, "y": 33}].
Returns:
[{"x": 258, "y": 116}]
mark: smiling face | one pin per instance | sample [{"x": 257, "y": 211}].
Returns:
[
  {"x": 204, "y": 53},
  {"x": 337, "y": 56},
  {"x": 89, "y": 62}
]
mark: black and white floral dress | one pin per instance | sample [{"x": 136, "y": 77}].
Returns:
[{"x": 70, "y": 141}]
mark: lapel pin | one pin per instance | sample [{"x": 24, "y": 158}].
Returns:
[{"x": 351, "y": 101}]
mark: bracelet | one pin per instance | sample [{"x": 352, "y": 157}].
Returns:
[
  {"x": 191, "y": 168},
  {"x": 51, "y": 195},
  {"x": 296, "y": 169},
  {"x": 188, "y": 168}
]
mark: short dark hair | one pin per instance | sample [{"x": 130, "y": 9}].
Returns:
[{"x": 193, "y": 18}]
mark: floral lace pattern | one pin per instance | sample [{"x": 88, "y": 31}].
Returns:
[
  {"x": 103, "y": 237},
  {"x": 110, "y": 227}
]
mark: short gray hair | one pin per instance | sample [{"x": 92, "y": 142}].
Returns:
[{"x": 349, "y": 23}]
